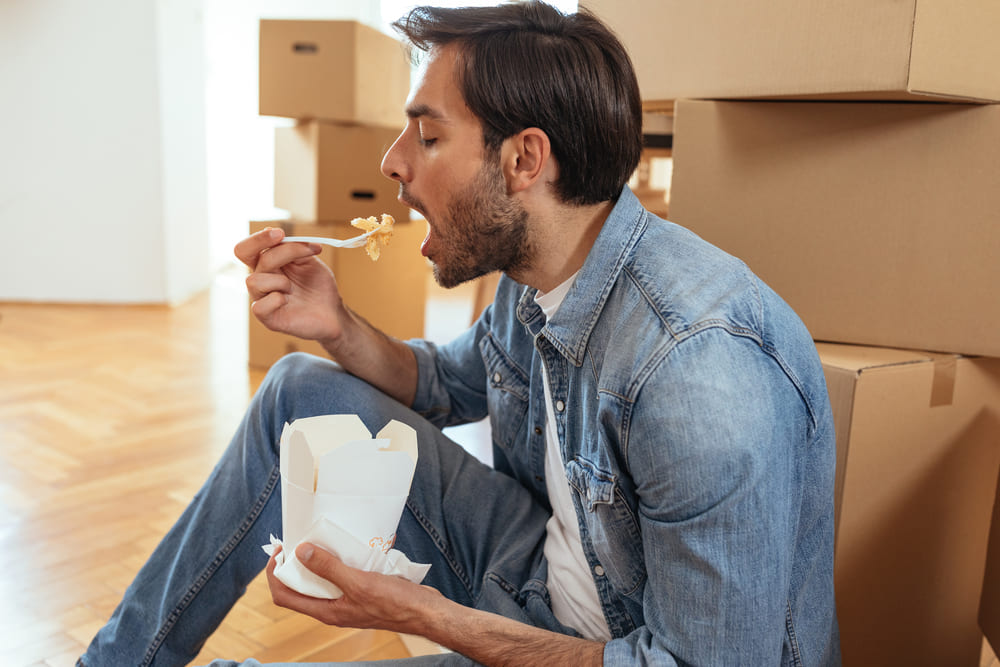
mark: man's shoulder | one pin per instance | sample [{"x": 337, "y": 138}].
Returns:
[{"x": 687, "y": 282}]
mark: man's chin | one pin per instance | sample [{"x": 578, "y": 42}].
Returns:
[
  {"x": 443, "y": 278},
  {"x": 449, "y": 279}
]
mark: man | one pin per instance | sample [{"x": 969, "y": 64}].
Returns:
[{"x": 664, "y": 450}]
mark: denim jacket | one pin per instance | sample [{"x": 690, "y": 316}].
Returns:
[{"x": 696, "y": 429}]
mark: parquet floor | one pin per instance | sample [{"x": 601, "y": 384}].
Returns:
[{"x": 110, "y": 418}]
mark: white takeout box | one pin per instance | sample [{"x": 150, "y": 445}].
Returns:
[{"x": 345, "y": 491}]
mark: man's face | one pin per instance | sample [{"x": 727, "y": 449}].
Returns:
[{"x": 474, "y": 226}]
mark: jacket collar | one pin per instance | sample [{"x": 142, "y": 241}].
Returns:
[{"x": 570, "y": 328}]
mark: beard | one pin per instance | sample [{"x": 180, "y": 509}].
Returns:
[{"x": 485, "y": 230}]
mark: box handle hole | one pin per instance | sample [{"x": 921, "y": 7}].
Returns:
[
  {"x": 305, "y": 47},
  {"x": 362, "y": 194}
]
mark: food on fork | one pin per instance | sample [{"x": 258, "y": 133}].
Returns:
[{"x": 383, "y": 232}]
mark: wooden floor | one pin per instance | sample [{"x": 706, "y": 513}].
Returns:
[{"x": 110, "y": 418}]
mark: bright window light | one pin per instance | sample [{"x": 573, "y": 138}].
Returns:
[{"x": 393, "y": 9}]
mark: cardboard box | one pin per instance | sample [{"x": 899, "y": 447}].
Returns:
[
  {"x": 332, "y": 70},
  {"x": 331, "y": 172},
  {"x": 851, "y": 49},
  {"x": 390, "y": 293},
  {"x": 918, "y": 448},
  {"x": 876, "y": 222}
]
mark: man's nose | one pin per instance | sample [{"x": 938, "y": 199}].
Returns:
[{"x": 393, "y": 163}]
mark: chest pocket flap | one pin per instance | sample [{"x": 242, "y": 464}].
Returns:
[{"x": 595, "y": 486}]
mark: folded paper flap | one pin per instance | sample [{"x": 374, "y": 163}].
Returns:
[
  {"x": 297, "y": 465},
  {"x": 286, "y": 433},
  {"x": 326, "y": 432},
  {"x": 365, "y": 467},
  {"x": 402, "y": 436}
]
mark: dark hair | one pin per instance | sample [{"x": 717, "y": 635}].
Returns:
[{"x": 527, "y": 65}]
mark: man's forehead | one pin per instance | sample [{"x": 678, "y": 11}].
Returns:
[{"x": 435, "y": 92}]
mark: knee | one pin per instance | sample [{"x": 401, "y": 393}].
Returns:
[
  {"x": 303, "y": 385},
  {"x": 298, "y": 368},
  {"x": 297, "y": 377}
]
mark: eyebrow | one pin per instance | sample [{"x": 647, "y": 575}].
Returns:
[{"x": 422, "y": 110}]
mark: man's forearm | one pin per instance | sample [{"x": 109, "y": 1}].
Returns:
[
  {"x": 497, "y": 641},
  {"x": 381, "y": 360}
]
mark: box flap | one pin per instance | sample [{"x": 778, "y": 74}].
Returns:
[
  {"x": 857, "y": 359},
  {"x": 860, "y": 357}
]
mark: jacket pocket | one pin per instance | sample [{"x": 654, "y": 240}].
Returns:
[
  {"x": 506, "y": 393},
  {"x": 611, "y": 524}
]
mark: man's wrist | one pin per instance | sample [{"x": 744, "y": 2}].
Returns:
[{"x": 496, "y": 640}]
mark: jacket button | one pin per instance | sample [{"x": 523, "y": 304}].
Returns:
[
  {"x": 538, "y": 430},
  {"x": 598, "y": 570},
  {"x": 560, "y": 406},
  {"x": 496, "y": 378}
]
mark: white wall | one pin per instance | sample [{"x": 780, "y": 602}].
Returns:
[
  {"x": 95, "y": 158},
  {"x": 131, "y": 152},
  {"x": 184, "y": 178}
]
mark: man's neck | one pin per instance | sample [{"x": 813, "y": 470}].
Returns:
[{"x": 562, "y": 237}]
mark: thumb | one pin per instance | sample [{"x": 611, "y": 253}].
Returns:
[{"x": 319, "y": 561}]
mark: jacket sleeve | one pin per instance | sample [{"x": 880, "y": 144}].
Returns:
[{"x": 451, "y": 378}]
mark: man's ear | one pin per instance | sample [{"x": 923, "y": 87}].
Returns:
[{"x": 525, "y": 158}]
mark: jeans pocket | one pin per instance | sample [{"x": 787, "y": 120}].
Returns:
[{"x": 611, "y": 524}]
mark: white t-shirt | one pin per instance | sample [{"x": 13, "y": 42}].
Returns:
[{"x": 571, "y": 585}]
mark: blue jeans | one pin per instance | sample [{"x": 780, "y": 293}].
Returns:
[{"x": 481, "y": 531}]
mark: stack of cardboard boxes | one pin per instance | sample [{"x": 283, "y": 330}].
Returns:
[
  {"x": 346, "y": 85},
  {"x": 848, "y": 152}
]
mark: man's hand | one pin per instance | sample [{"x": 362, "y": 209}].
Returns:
[
  {"x": 392, "y": 603},
  {"x": 292, "y": 290},
  {"x": 370, "y": 600}
]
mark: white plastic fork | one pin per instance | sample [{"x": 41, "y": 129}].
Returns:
[{"x": 353, "y": 242}]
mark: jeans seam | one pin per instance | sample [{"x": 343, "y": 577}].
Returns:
[
  {"x": 213, "y": 567},
  {"x": 442, "y": 547},
  {"x": 792, "y": 638}
]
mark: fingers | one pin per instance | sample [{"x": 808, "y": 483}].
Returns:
[
  {"x": 264, "y": 253},
  {"x": 275, "y": 258},
  {"x": 249, "y": 249},
  {"x": 283, "y": 596},
  {"x": 263, "y": 308},
  {"x": 260, "y": 285}
]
